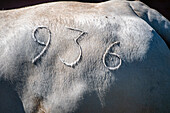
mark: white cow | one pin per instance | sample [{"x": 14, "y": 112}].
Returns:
[{"x": 63, "y": 57}]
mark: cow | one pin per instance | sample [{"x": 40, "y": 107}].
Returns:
[{"x": 62, "y": 57}]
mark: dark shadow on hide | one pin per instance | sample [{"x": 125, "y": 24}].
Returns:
[
  {"x": 89, "y": 103},
  {"x": 9, "y": 99}
]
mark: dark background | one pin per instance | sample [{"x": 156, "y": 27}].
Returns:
[{"x": 163, "y": 6}]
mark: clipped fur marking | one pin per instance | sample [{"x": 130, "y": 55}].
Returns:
[
  {"x": 73, "y": 64},
  {"x": 41, "y": 43},
  {"x": 115, "y": 54}
]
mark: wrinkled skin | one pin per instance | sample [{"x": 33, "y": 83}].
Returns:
[{"x": 140, "y": 83}]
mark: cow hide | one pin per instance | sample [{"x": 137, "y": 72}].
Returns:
[{"x": 63, "y": 57}]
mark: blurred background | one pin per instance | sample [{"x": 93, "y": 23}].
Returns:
[{"x": 163, "y": 6}]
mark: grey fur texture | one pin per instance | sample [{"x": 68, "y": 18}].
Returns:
[{"x": 120, "y": 65}]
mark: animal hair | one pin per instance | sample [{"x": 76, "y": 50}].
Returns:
[
  {"x": 73, "y": 64},
  {"x": 41, "y": 43},
  {"x": 115, "y": 54}
]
